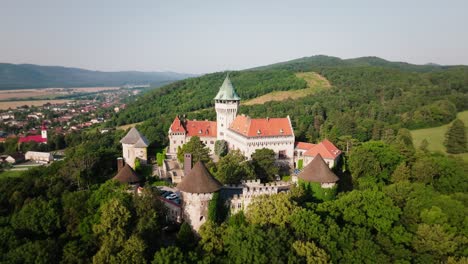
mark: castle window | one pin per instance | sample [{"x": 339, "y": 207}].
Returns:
[{"x": 201, "y": 218}]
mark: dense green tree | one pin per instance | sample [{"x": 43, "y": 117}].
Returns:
[
  {"x": 169, "y": 255},
  {"x": 221, "y": 148},
  {"x": 253, "y": 244},
  {"x": 263, "y": 161},
  {"x": 112, "y": 229},
  {"x": 455, "y": 138},
  {"x": 38, "y": 216},
  {"x": 198, "y": 150},
  {"x": 233, "y": 168},
  {"x": 368, "y": 208},
  {"x": 373, "y": 163},
  {"x": 185, "y": 237},
  {"x": 310, "y": 253},
  {"x": 402, "y": 173},
  {"x": 271, "y": 209}
]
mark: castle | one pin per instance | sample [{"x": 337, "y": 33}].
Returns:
[
  {"x": 197, "y": 186},
  {"x": 248, "y": 134},
  {"x": 239, "y": 131}
]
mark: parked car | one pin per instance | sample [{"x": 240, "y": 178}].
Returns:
[{"x": 172, "y": 196}]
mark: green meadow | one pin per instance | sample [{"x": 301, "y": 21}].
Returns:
[{"x": 436, "y": 136}]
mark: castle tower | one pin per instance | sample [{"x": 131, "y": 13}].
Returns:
[
  {"x": 197, "y": 189},
  {"x": 134, "y": 146},
  {"x": 226, "y": 105}
]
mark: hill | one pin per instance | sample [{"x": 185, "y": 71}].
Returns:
[
  {"x": 19, "y": 76},
  {"x": 320, "y": 61},
  {"x": 368, "y": 98}
]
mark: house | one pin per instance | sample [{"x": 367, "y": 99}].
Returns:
[
  {"x": 41, "y": 157},
  {"x": 13, "y": 158},
  {"x": 307, "y": 152}
]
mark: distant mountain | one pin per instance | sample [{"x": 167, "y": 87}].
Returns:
[
  {"x": 320, "y": 61},
  {"x": 18, "y": 76}
]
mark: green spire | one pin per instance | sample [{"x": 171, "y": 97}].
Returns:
[{"x": 226, "y": 91}]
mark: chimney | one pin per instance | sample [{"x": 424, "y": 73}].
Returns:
[
  {"x": 187, "y": 163},
  {"x": 120, "y": 163}
]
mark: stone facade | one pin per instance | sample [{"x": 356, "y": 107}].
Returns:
[
  {"x": 195, "y": 208},
  {"x": 130, "y": 153},
  {"x": 134, "y": 146}
]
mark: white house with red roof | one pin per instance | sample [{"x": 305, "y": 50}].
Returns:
[{"x": 307, "y": 152}]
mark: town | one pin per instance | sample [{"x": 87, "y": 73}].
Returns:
[{"x": 43, "y": 129}]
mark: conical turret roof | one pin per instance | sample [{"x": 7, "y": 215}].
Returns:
[
  {"x": 134, "y": 137},
  {"x": 226, "y": 91},
  {"x": 127, "y": 175},
  {"x": 318, "y": 171},
  {"x": 199, "y": 180}
]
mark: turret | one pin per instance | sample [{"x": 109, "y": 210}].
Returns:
[
  {"x": 134, "y": 146},
  {"x": 197, "y": 189},
  {"x": 226, "y": 105}
]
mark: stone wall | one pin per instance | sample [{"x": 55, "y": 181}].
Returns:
[{"x": 195, "y": 208}]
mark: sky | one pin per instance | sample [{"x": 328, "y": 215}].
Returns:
[{"x": 201, "y": 36}]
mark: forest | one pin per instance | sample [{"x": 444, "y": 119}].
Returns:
[
  {"x": 365, "y": 102},
  {"x": 395, "y": 203}
]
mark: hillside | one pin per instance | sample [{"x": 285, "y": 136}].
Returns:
[
  {"x": 436, "y": 136},
  {"x": 363, "y": 102},
  {"x": 19, "y": 76},
  {"x": 315, "y": 83},
  {"x": 320, "y": 61}
]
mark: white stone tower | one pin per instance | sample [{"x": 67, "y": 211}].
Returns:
[
  {"x": 134, "y": 146},
  {"x": 226, "y": 105}
]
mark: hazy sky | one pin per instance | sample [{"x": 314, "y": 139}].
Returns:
[{"x": 200, "y": 36}]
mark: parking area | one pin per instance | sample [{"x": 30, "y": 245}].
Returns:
[{"x": 170, "y": 194}]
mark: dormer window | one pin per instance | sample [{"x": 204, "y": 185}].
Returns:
[
  {"x": 258, "y": 132},
  {"x": 281, "y": 131}
]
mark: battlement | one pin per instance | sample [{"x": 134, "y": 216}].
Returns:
[{"x": 196, "y": 196}]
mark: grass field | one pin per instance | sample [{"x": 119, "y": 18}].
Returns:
[
  {"x": 315, "y": 83},
  {"x": 125, "y": 127},
  {"x": 436, "y": 136},
  {"x": 10, "y": 173},
  {"x": 14, "y": 104}
]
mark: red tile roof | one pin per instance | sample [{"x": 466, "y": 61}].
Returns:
[
  {"x": 304, "y": 145},
  {"x": 325, "y": 148},
  {"x": 264, "y": 127},
  {"x": 195, "y": 128},
  {"x": 177, "y": 126},
  {"x": 201, "y": 128},
  {"x": 36, "y": 138}
]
